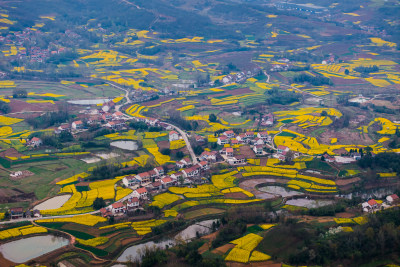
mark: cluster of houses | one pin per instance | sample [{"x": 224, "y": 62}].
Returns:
[
  {"x": 373, "y": 205},
  {"x": 242, "y": 76}
]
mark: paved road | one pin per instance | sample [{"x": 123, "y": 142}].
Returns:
[
  {"x": 183, "y": 133},
  {"x": 128, "y": 100},
  {"x": 188, "y": 145}
]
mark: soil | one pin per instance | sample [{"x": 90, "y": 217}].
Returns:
[
  {"x": 130, "y": 240},
  {"x": 345, "y": 137},
  {"x": 163, "y": 144},
  {"x": 247, "y": 152},
  {"x": 11, "y": 152},
  {"x": 22, "y": 106},
  {"x": 223, "y": 249},
  {"x": 342, "y": 182}
]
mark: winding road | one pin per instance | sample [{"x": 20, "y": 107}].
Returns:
[{"x": 180, "y": 131}]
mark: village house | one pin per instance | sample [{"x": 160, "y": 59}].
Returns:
[
  {"x": 35, "y": 142},
  {"x": 107, "y": 116},
  {"x": 167, "y": 182},
  {"x": 118, "y": 115},
  {"x": 151, "y": 121},
  {"x": 159, "y": 170},
  {"x": 183, "y": 163},
  {"x": 210, "y": 156},
  {"x": 203, "y": 165},
  {"x": 17, "y": 213},
  {"x": 241, "y": 138},
  {"x": 222, "y": 140},
  {"x": 76, "y": 125},
  {"x": 199, "y": 139},
  {"x": 190, "y": 172},
  {"x": 258, "y": 141},
  {"x": 264, "y": 136},
  {"x": 370, "y": 206},
  {"x": 249, "y": 135},
  {"x": 392, "y": 199},
  {"x": 282, "y": 149},
  {"x": 258, "y": 149},
  {"x": 157, "y": 185},
  {"x": 153, "y": 174},
  {"x": 129, "y": 181},
  {"x": 144, "y": 177},
  {"x": 173, "y": 135},
  {"x": 117, "y": 124},
  {"x": 63, "y": 127},
  {"x": 118, "y": 208},
  {"x": 229, "y": 134},
  {"x": 132, "y": 203},
  {"x": 140, "y": 193},
  {"x": 237, "y": 160},
  {"x": 177, "y": 175}
]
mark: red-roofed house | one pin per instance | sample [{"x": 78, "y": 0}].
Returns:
[
  {"x": 190, "y": 172},
  {"x": 173, "y": 136},
  {"x": 141, "y": 193},
  {"x": 373, "y": 204},
  {"x": 107, "y": 116},
  {"x": 77, "y": 125},
  {"x": 132, "y": 203},
  {"x": 203, "y": 165},
  {"x": 167, "y": 182},
  {"x": 229, "y": 152},
  {"x": 159, "y": 170},
  {"x": 258, "y": 149},
  {"x": 249, "y": 135},
  {"x": 209, "y": 156},
  {"x": 222, "y": 140},
  {"x": 118, "y": 208},
  {"x": 229, "y": 134},
  {"x": 282, "y": 149},
  {"x": 144, "y": 177},
  {"x": 392, "y": 198},
  {"x": 35, "y": 142}
]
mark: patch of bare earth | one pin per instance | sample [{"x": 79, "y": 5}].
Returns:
[
  {"x": 343, "y": 182},
  {"x": 223, "y": 249}
]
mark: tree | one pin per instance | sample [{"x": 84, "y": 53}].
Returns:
[
  {"x": 179, "y": 154},
  {"x": 198, "y": 150},
  {"x": 20, "y": 93},
  {"x": 346, "y": 71},
  {"x": 212, "y": 117},
  {"x": 166, "y": 151},
  {"x": 99, "y": 203}
]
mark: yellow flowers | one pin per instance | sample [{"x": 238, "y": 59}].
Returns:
[
  {"x": 144, "y": 227},
  {"x": 135, "y": 110},
  {"x": 117, "y": 99},
  {"x": 160, "y": 158},
  {"x": 267, "y": 226},
  {"x": 94, "y": 242},
  {"x": 244, "y": 246},
  {"x": 380, "y": 42},
  {"x": 224, "y": 180},
  {"x": 8, "y": 120},
  {"x": 201, "y": 189},
  {"x": 5, "y": 130},
  {"x": 235, "y": 190},
  {"x": 164, "y": 200},
  {"x": 343, "y": 220},
  {"x": 89, "y": 220},
  {"x": 333, "y": 140},
  {"x": 189, "y": 107},
  {"x": 360, "y": 220},
  {"x": 7, "y": 84},
  {"x": 177, "y": 144},
  {"x": 23, "y": 230},
  {"x": 378, "y": 82},
  {"x": 122, "y": 192},
  {"x": 170, "y": 213},
  {"x": 152, "y": 135},
  {"x": 387, "y": 174},
  {"x": 388, "y": 127},
  {"x": 73, "y": 178}
]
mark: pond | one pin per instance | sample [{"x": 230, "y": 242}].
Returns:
[
  {"x": 127, "y": 145},
  {"x": 88, "y": 101},
  {"x": 133, "y": 252},
  {"x": 309, "y": 203},
  {"x": 279, "y": 191},
  {"x": 52, "y": 203},
  {"x": 23, "y": 250}
]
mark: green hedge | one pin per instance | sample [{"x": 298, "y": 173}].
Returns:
[{"x": 95, "y": 251}]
